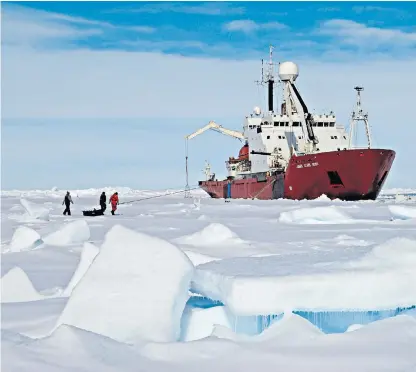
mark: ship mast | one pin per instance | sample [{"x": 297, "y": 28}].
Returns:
[
  {"x": 359, "y": 115},
  {"x": 268, "y": 79}
]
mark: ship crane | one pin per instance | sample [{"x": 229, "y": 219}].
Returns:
[
  {"x": 218, "y": 128},
  {"x": 213, "y": 126}
]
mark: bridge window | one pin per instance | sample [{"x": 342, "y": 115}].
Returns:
[
  {"x": 331, "y": 124},
  {"x": 332, "y": 137},
  {"x": 314, "y": 124},
  {"x": 276, "y": 123},
  {"x": 320, "y": 124},
  {"x": 268, "y": 137},
  {"x": 335, "y": 137},
  {"x": 295, "y": 124},
  {"x": 286, "y": 124},
  {"x": 326, "y": 124}
]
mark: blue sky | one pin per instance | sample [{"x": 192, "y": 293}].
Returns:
[
  {"x": 226, "y": 29},
  {"x": 135, "y": 77}
]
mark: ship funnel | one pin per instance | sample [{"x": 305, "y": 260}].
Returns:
[{"x": 288, "y": 71}]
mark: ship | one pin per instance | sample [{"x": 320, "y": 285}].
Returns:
[{"x": 296, "y": 154}]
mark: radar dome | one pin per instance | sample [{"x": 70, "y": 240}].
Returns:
[
  {"x": 288, "y": 71},
  {"x": 257, "y": 110}
]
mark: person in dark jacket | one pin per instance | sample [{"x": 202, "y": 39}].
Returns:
[
  {"x": 103, "y": 200},
  {"x": 67, "y": 201}
]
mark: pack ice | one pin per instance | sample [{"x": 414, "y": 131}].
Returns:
[
  {"x": 213, "y": 234},
  {"x": 34, "y": 211},
  {"x": 17, "y": 287},
  {"x": 327, "y": 215},
  {"x": 384, "y": 278},
  {"x": 24, "y": 238},
  {"x": 135, "y": 289},
  {"x": 403, "y": 212},
  {"x": 72, "y": 233},
  {"x": 89, "y": 252}
]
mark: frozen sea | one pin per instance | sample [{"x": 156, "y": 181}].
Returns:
[{"x": 196, "y": 284}]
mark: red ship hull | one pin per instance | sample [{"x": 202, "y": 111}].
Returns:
[{"x": 357, "y": 174}]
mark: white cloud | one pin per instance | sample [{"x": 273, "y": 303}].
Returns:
[
  {"x": 21, "y": 26},
  {"x": 27, "y": 26},
  {"x": 211, "y": 8},
  {"x": 357, "y": 34},
  {"x": 400, "y": 13},
  {"x": 328, "y": 9},
  {"x": 93, "y": 84},
  {"x": 141, "y": 29},
  {"x": 248, "y": 26}
]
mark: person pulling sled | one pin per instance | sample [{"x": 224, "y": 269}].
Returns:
[
  {"x": 103, "y": 202},
  {"x": 114, "y": 202},
  {"x": 67, "y": 201}
]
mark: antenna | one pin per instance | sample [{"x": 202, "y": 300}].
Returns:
[
  {"x": 271, "y": 58},
  {"x": 268, "y": 78},
  {"x": 359, "y": 115},
  {"x": 207, "y": 170},
  {"x": 262, "y": 69},
  {"x": 260, "y": 82}
]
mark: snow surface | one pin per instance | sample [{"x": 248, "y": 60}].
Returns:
[
  {"x": 88, "y": 254},
  {"x": 34, "y": 211},
  {"x": 404, "y": 212},
  {"x": 199, "y": 323},
  {"x": 135, "y": 289},
  {"x": 24, "y": 238},
  {"x": 384, "y": 278},
  {"x": 213, "y": 234},
  {"x": 72, "y": 233},
  {"x": 17, "y": 287},
  {"x": 132, "y": 291}
]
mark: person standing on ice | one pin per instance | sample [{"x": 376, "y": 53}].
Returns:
[
  {"x": 228, "y": 197},
  {"x": 114, "y": 202},
  {"x": 103, "y": 201},
  {"x": 67, "y": 201}
]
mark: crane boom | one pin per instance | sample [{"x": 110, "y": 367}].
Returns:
[
  {"x": 302, "y": 110},
  {"x": 218, "y": 128}
]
